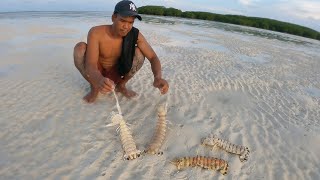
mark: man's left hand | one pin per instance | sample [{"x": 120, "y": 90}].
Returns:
[{"x": 161, "y": 84}]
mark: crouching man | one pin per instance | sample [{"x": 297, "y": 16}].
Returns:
[{"x": 114, "y": 53}]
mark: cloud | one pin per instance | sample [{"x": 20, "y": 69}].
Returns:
[
  {"x": 247, "y": 2},
  {"x": 218, "y": 9},
  {"x": 304, "y": 9}
]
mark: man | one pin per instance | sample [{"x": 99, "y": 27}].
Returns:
[{"x": 105, "y": 59}]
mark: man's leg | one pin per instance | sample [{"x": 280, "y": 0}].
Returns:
[
  {"x": 79, "y": 56},
  {"x": 137, "y": 63}
]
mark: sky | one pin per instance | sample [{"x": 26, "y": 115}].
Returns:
[{"x": 302, "y": 12}]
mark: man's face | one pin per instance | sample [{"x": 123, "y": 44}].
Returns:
[{"x": 122, "y": 24}]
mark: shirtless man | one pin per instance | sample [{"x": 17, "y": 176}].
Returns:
[{"x": 97, "y": 60}]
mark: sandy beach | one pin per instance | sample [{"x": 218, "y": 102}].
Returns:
[{"x": 251, "y": 87}]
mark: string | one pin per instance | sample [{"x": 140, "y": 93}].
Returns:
[{"x": 118, "y": 106}]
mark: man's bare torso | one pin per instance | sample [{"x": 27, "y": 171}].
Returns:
[{"x": 109, "y": 47}]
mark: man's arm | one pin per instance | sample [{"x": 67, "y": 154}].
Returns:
[
  {"x": 149, "y": 53},
  {"x": 92, "y": 57}
]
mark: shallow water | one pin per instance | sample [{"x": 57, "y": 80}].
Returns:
[{"x": 94, "y": 15}]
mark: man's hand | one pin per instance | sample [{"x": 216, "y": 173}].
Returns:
[
  {"x": 161, "y": 84},
  {"x": 106, "y": 85}
]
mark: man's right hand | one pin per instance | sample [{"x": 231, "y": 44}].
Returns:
[{"x": 106, "y": 85}]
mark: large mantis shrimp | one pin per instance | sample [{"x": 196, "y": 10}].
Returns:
[
  {"x": 213, "y": 141},
  {"x": 128, "y": 144},
  {"x": 202, "y": 161},
  {"x": 160, "y": 132}
]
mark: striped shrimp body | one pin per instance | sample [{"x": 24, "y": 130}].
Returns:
[
  {"x": 203, "y": 162},
  {"x": 242, "y": 151},
  {"x": 127, "y": 141},
  {"x": 160, "y": 132}
]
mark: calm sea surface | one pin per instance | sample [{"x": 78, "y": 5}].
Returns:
[{"x": 94, "y": 16}]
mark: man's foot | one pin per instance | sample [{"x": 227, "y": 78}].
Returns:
[
  {"x": 126, "y": 92},
  {"x": 91, "y": 96}
]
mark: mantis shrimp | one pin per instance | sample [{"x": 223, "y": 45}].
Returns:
[
  {"x": 213, "y": 141},
  {"x": 203, "y": 162},
  {"x": 128, "y": 144},
  {"x": 160, "y": 132}
]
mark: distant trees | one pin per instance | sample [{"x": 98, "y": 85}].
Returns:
[
  {"x": 262, "y": 23},
  {"x": 160, "y": 11},
  {"x": 172, "y": 12},
  {"x": 152, "y": 10}
]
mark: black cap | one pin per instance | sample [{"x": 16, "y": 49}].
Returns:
[{"x": 127, "y": 8}]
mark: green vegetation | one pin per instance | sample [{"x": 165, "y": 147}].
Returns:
[{"x": 262, "y": 23}]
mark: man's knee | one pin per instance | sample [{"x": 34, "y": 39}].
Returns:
[
  {"x": 137, "y": 63},
  {"x": 79, "y": 49},
  {"x": 79, "y": 53},
  {"x": 138, "y": 54}
]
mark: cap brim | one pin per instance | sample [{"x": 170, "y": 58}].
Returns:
[{"x": 131, "y": 14}]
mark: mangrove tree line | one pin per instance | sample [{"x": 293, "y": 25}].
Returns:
[{"x": 262, "y": 23}]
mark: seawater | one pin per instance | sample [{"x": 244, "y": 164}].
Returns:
[{"x": 101, "y": 17}]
